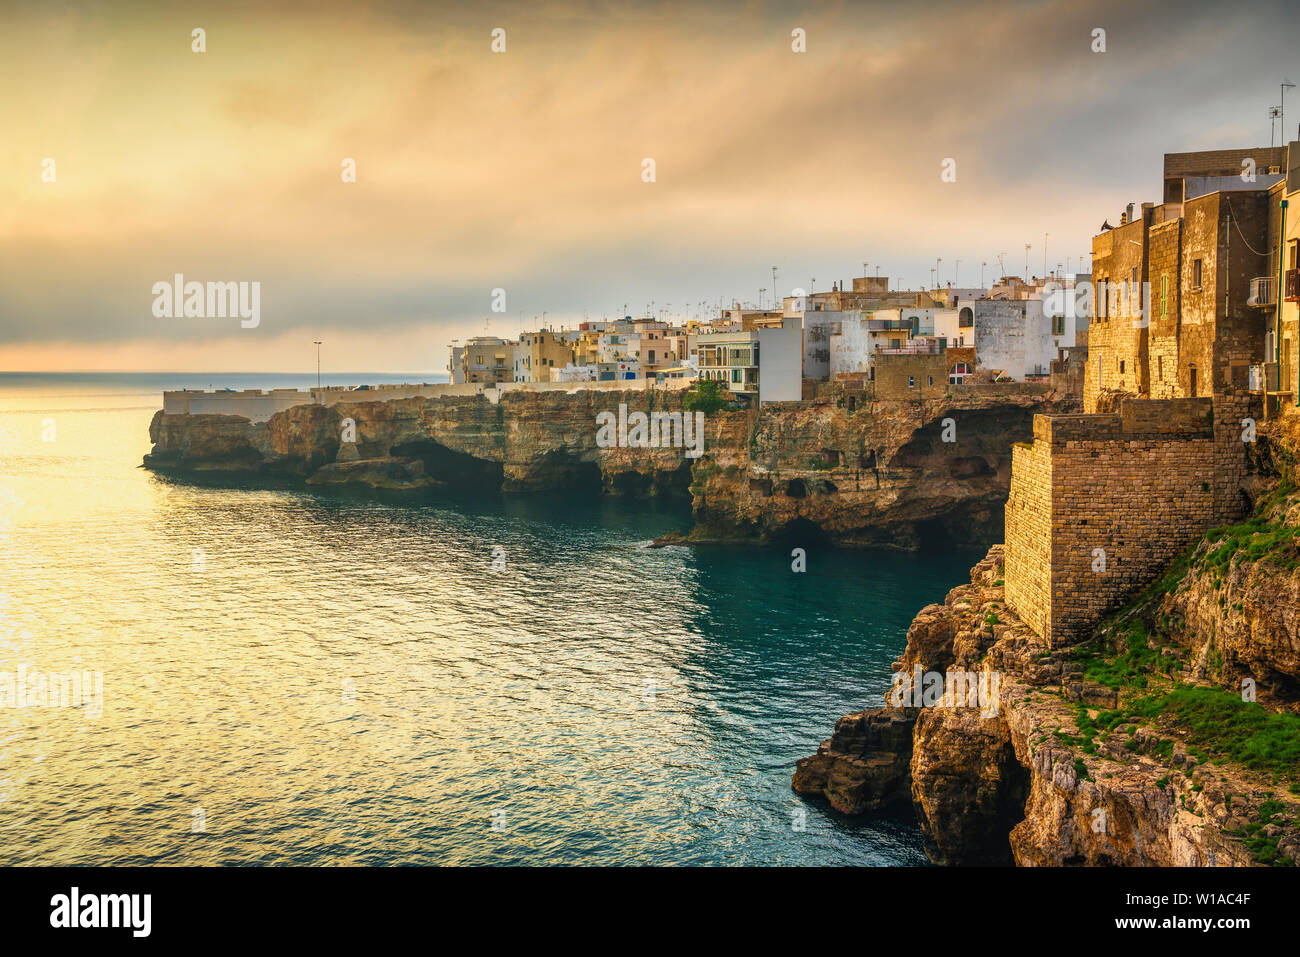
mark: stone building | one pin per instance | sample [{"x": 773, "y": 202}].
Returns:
[
  {"x": 1282, "y": 351},
  {"x": 544, "y": 351},
  {"x": 1117, "y": 336},
  {"x": 1181, "y": 305},
  {"x": 482, "y": 359},
  {"x": 916, "y": 372}
]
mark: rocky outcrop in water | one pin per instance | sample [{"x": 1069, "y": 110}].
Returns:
[
  {"x": 1068, "y": 769},
  {"x": 864, "y": 764},
  {"x": 526, "y": 441},
  {"x": 877, "y": 473}
]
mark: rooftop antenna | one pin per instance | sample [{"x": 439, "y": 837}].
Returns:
[
  {"x": 1274, "y": 114},
  {"x": 1028, "y": 247},
  {"x": 1282, "y": 109}
]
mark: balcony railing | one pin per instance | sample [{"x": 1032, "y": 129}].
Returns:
[{"x": 1263, "y": 291}]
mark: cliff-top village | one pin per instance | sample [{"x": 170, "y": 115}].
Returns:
[
  {"x": 546, "y": 511},
  {"x": 1102, "y": 425},
  {"x": 1206, "y": 258},
  {"x": 1178, "y": 340}
]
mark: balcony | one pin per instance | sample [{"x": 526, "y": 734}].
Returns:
[
  {"x": 916, "y": 347},
  {"x": 1263, "y": 292},
  {"x": 1292, "y": 278}
]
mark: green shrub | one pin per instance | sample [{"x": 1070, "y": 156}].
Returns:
[{"x": 705, "y": 396}]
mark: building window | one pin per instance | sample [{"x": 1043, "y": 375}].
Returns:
[
  {"x": 1058, "y": 325},
  {"x": 931, "y": 382},
  {"x": 1164, "y": 295},
  {"x": 1196, "y": 274},
  {"x": 1121, "y": 366},
  {"x": 911, "y": 381},
  {"x": 1160, "y": 367}
]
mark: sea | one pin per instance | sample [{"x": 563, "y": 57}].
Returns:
[{"x": 271, "y": 676}]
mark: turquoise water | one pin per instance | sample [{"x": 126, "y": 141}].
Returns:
[{"x": 295, "y": 678}]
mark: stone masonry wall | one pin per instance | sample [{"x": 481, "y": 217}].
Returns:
[
  {"x": 1165, "y": 265},
  {"x": 1028, "y": 552},
  {"x": 1123, "y": 495},
  {"x": 911, "y": 377}
]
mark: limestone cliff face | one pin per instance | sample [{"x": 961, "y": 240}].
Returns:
[
  {"x": 527, "y": 441},
  {"x": 1034, "y": 782},
  {"x": 1238, "y": 606},
  {"x": 880, "y": 474}
]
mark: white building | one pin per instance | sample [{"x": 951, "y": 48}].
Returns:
[
  {"x": 766, "y": 361},
  {"x": 780, "y": 346},
  {"x": 572, "y": 373},
  {"x": 1012, "y": 336},
  {"x": 854, "y": 347}
]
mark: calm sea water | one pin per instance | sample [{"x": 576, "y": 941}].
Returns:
[{"x": 294, "y": 678}]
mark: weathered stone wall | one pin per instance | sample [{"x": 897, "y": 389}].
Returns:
[
  {"x": 903, "y": 377},
  {"x": 1117, "y": 339},
  {"x": 1029, "y": 530},
  {"x": 1100, "y": 504},
  {"x": 1162, "y": 338}
]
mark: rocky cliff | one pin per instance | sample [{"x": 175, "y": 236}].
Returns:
[
  {"x": 1169, "y": 737},
  {"x": 850, "y": 472},
  {"x": 1110, "y": 754},
  {"x": 882, "y": 474},
  {"x": 525, "y": 441}
]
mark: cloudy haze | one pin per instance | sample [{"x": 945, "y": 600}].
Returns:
[{"x": 522, "y": 170}]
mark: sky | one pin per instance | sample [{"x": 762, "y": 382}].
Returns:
[{"x": 128, "y": 158}]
